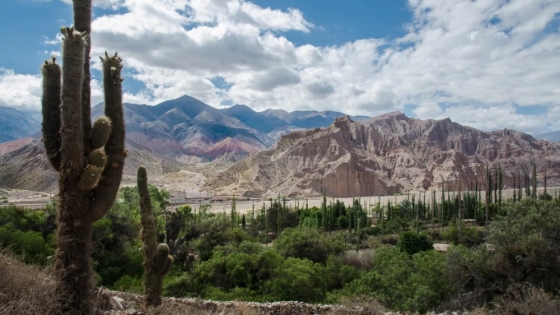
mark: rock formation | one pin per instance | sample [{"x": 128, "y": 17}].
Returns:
[{"x": 385, "y": 155}]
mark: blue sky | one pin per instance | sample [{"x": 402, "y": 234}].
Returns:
[{"x": 489, "y": 64}]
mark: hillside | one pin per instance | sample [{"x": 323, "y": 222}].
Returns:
[
  {"x": 15, "y": 124},
  {"x": 385, "y": 155},
  {"x": 27, "y": 167}
]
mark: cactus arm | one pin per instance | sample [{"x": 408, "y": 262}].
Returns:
[
  {"x": 104, "y": 194},
  {"x": 52, "y": 85},
  {"x": 82, "y": 10},
  {"x": 161, "y": 258},
  {"x": 167, "y": 267},
  {"x": 72, "y": 156}
]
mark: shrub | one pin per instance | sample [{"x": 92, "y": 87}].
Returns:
[
  {"x": 412, "y": 243},
  {"x": 304, "y": 243}
]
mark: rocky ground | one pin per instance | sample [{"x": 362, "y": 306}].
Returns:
[{"x": 120, "y": 303}]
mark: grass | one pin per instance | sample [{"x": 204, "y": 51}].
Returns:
[{"x": 25, "y": 289}]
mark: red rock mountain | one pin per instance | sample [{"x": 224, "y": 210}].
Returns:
[{"x": 385, "y": 155}]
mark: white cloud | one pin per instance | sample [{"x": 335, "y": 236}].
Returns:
[
  {"x": 24, "y": 91},
  {"x": 474, "y": 61},
  {"x": 19, "y": 90},
  {"x": 56, "y": 41}
]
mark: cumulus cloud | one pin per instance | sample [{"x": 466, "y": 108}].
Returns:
[
  {"x": 24, "y": 91},
  {"x": 474, "y": 61},
  {"x": 19, "y": 90}
]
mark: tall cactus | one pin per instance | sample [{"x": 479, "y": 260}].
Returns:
[
  {"x": 157, "y": 260},
  {"x": 89, "y": 159}
]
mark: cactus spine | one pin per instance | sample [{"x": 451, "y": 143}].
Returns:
[
  {"x": 157, "y": 260},
  {"x": 87, "y": 189}
]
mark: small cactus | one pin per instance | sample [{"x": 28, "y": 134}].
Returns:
[
  {"x": 100, "y": 132},
  {"x": 97, "y": 158},
  {"x": 90, "y": 177},
  {"x": 157, "y": 261}
]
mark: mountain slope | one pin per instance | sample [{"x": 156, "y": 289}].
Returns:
[
  {"x": 187, "y": 127},
  {"x": 15, "y": 124},
  {"x": 385, "y": 155},
  {"x": 255, "y": 120},
  {"x": 27, "y": 167}
]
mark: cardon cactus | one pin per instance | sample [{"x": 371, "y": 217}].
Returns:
[
  {"x": 157, "y": 260},
  {"x": 89, "y": 160}
]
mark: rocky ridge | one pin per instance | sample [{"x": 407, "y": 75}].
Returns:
[{"x": 385, "y": 155}]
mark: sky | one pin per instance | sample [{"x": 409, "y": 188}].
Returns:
[{"x": 488, "y": 64}]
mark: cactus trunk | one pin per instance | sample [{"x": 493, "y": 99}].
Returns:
[
  {"x": 157, "y": 261},
  {"x": 85, "y": 195}
]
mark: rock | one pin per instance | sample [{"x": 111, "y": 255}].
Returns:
[
  {"x": 385, "y": 155},
  {"x": 117, "y": 303}
]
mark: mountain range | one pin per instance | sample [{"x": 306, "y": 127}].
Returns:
[
  {"x": 192, "y": 131},
  {"x": 15, "y": 124},
  {"x": 385, "y": 155},
  {"x": 187, "y": 128}
]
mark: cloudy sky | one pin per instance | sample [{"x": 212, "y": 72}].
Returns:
[{"x": 489, "y": 64}]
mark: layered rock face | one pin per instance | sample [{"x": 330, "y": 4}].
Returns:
[{"x": 384, "y": 155}]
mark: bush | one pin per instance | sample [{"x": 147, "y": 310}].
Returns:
[
  {"x": 470, "y": 236},
  {"x": 523, "y": 299},
  {"x": 412, "y": 243},
  {"x": 527, "y": 244},
  {"x": 342, "y": 222},
  {"x": 297, "y": 280},
  {"x": 304, "y": 243},
  {"x": 403, "y": 282},
  {"x": 29, "y": 244}
]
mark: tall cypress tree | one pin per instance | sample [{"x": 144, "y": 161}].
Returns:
[
  {"x": 233, "y": 212},
  {"x": 514, "y": 190},
  {"x": 488, "y": 193},
  {"x": 519, "y": 191}
]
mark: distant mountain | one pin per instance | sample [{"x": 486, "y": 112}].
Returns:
[
  {"x": 309, "y": 118},
  {"x": 188, "y": 129},
  {"x": 27, "y": 167},
  {"x": 385, "y": 155},
  {"x": 551, "y": 136},
  {"x": 253, "y": 119},
  {"x": 15, "y": 124}
]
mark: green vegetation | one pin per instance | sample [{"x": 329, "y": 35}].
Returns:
[{"x": 329, "y": 254}]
